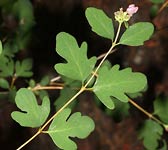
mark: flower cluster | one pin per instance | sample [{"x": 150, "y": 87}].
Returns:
[{"x": 123, "y": 16}]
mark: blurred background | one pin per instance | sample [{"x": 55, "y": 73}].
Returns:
[{"x": 36, "y": 40}]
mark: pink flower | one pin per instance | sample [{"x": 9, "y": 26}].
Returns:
[{"x": 132, "y": 9}]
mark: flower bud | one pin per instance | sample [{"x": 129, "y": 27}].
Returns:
[
  {"x": 131, "y": 9},
  {"x": 121, "y": 16}
]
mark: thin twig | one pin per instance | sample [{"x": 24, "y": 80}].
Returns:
[
  {"x": 146, "y": 113},
  {"x": 102, "y": 55},
  {"x": 55, "y": 79},
  {"x": 163, "y": 6},
  {"x": 47, "y": 88},
  {"x": 28, "y": 141}
]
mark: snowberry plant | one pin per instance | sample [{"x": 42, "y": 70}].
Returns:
[{"x": 109, "y": 83}]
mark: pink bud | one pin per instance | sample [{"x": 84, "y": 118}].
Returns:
[{"x": 132, "y": 9}]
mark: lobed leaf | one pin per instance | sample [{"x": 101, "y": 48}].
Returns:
[
  {"x": 64, "y": 126},
  {"x": 117, "y": 83},
  {"x": 6, "y": 67},
  {"x": 23, "y": 69},
  {"x": 150, "y": 133},
  {"x": 136, "y": 34},
  {"x": 100, "y": 22},
  {"x": 10, "y": 49},
  {"x": 78, "y": 66},
  {"x": 161, "y": 109},
  {"x": 32, "y": 115}
]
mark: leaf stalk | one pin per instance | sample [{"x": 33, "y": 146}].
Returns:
[{"x": 147, "y": 113}]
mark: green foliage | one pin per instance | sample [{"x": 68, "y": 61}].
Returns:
[
  {"x": 65, "y": 95},
  {"x": 111, "y": 85},
  {"x": 64, "y": 126},
  {"x": 164, "y": 147},
  {"x": 117, "y": 83},
  {"x": 154, "y": 10},
  {"x": 100, "y": 22},
  {"x": 0, "y": 47},
  {"x": 78, "y": 66},
  {"x": 161, "y": 109},
  {"x": 32, "y": 83},
  {"x": 6, "y": 68},
  {"x": 150, "y": 132},
  {"x": 33, "y": 115},
  {"x": 44, "y": 81},
  {"x": 24, "y": 11},
  {"x": 9, "y": 50},
  {"x": 4, "y": 83},
  {"x": 136, "y": 34},
  {"x": 121, "y": 110},
  {"x": 12, "y": 94},
  {"x": 23, "y": 69},
  {"x": 157, "y": 1}
]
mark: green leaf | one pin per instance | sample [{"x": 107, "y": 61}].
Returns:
[
  {"x": 12, "y": 95},
  {"x": 117, "y": 83},
  {"x": 45, "y": 81},
  {"x": 65, "y": 95},
  {"x": 23, "y": 69},
  {"x": 64, "y": 126},
  {"x": 100, "y": 22},
  {"x": 0, "y": 47},
  {"x": 154, "y": 10},
  {"x": 139, "y": 94},
  {"x": 4, "y": 83},
  {"x": 24, "y": 11},
  {"x": 150, "y": 132},
  {"x": 6, "y": 68},
  {"x": 164, "y": 147},
  {"x": 78, "y": 66},
  {"x": 121, "y": 110},
  {"x": 157, "y": 1},
  {"x": 32, "y": 115},
  {"x": 23, "y": 39},
  {"x": 32, "y": 83},
  {"x": 161, "y": 109},
  {"x": 10, "y": 49},
  {"x": 136, "y": 34}
]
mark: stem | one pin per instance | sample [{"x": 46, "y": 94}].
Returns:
[
  {"x": 28, "y": 141},
  {"x": 105, "y": 56},
  {"x": 102, "y": 55},
  {"x": 76, "y": 95},
  {"x": 55, "y": 79},
  {"x": 163, "y": 6},
  {"x": 118, "y": 31},
  {"x": 47, "y": 88},
  {"x": 146, "y": 113},
  {"x": 13, "y": 81}
]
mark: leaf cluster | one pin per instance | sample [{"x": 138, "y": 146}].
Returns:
[{"x": 110, "y": 82}]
